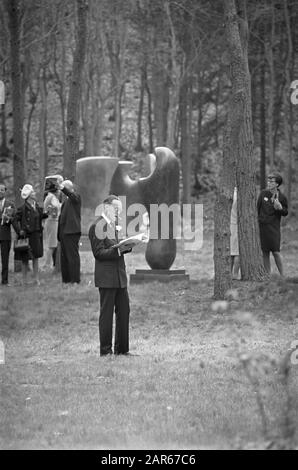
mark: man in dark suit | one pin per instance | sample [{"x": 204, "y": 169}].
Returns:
[
  {"x": 110, "y": 278},
  {"x": 69, "y": 232},
  {"x": 7, "y": 210}
]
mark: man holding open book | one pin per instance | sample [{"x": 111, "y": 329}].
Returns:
[{"x": 110, "y": 278}]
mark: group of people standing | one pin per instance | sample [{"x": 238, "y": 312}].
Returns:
[{"x": 59, "y": 220}]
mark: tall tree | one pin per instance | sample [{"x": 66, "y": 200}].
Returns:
[
  {"x": 227, "y": 182},
  {"x": 237, "y": 155},
  {"x": 73, "y": 106},
  {"x": 249, "y": 244},
  {"x": 272, "y": 88},
  {"x": 288, "y": 110},
  {"x": 14, "y": 22},
  {"x": 116, "y": 38}
]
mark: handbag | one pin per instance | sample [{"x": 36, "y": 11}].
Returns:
[{"x": 22, "y": 244}]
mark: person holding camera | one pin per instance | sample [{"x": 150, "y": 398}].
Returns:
[
  {"x": 28, "y": 224},
  {"x": 271, "y": 205},
  {"x": 69, "y": 233},
  {"x": 7, "y": 210}
]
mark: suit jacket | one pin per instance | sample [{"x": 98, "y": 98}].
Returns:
[
  {"x": 110, "y": 270},
  {"x": 5, "y": 228},
  {"x": 70, "y": 216},
  {"x": 25, "y": 220}
]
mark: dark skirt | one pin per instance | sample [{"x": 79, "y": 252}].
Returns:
[
  {"x": 270, "y": 237},
  {"x": 36, "y": 248}
]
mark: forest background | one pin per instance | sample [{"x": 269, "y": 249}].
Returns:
[
  {"x": 153, "y": 73},
  {"x": 119, "y": 78}
]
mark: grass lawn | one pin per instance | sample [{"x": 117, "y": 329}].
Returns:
[{"x": 187, "y": 387}]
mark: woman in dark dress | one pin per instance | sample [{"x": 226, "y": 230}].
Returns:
[
  {"x": 272, "y": 205},
  {"x": 28, "y": 224}
]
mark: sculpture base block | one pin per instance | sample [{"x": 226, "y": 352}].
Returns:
[{"x": 162, "y": 275}]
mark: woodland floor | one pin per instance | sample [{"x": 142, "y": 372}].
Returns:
[{"x": 187, "y": 387}]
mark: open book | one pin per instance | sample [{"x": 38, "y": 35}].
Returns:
[{"x": 132, "y": 241}]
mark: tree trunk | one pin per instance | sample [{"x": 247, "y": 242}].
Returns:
[
  {"x": 198, "y": 164},
  {"x": 288, "y": 112},
  {"x": 270, "y": 58},
  {"x": 118, "y": 100},
  {"x": 13, "y": 9},
  {"x": 263, "y": 119},
  {"x": 237, "y": 153},
  {"x": 4, "y": 150},
  {"x": 139, "y": 146},
  {"x": 43, "y": 144},
  {"x": 87, "y": 127},
  {"x": 60, "y": 82},
  {"x": 98, "y": 130},
  {"x": 73, "y": 106},
  {"x": 251, "y": 261},
  {"x": 224, "y": 195},
  {"x": 150, "y": 125},
  {"x": 185, "y": 125},
  {"x": 160, "y": 91},
  {"x": 33, "y": 100}
]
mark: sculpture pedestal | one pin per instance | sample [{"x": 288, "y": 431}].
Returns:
[{"x": 162, "y": 275}]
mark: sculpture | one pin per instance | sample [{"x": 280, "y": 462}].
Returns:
[
  {"x": 99, "y": 176},
  {"x": 93, "y": 176},
  {"x": 161, "y": 186}
]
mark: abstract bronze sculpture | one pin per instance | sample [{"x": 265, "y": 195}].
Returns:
[{"x": 99, "y": 176}]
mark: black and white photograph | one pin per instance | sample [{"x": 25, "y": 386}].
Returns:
[{"x": 149, "y": 228}]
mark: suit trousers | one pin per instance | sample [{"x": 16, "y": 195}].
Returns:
[
  {"x": 70, "y": 257},
  {"x": 5, "y": 248},
  {"x": 110, "y": 299}
]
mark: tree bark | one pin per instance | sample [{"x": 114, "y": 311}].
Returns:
[
  {"x": 160, "y": 89},
  {"x": 288, "y": 111},
  {"x": 263, "y": 118},
  {"x": 60, "y": 80},
  {"x": 237, "y": 154},
  {"x": 185, "y": 125},
  {"x": 270, "y": 58},
  {"x": 4, "y": 150},
  {"x": 43, "y": 144},
  {"x": 73, "y": 106},
  {"x": 150, "y": 125},
  {"x": 139, "y": 146},
  {"x": 13, "y": 9},
  {"x": 249, "y": 242}
]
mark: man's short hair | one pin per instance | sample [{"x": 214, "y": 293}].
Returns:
[
  {"x": 109, "y": 199},
  {"x": 2, "y": 184},
  {"x": 277, "y": 176}
]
